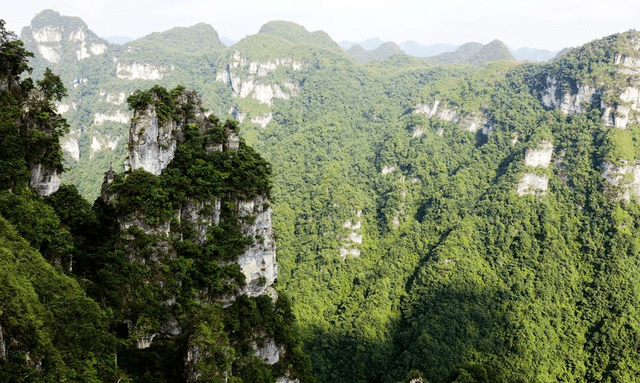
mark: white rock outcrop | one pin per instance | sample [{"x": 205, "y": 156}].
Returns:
[
  {"x": 353, "y": 238},
  {"x": 388, "y": 169},
  {"x": 152, "y": 145},
  {"x": 262, "y": 121},
  {"x": 569, "y": 103},
  {"x": 532, "y": 184},
  {"x": 53, "y": 54},
  {"x": 244, "y": 78},
  {"x": 44, "y": 181},
  {"x": 70, "y": 145},
  {"x": 539, "y": 157},
  {"x": 625, "y": 177},
  {"x": 574, "y": 98},
  {"x": 258, "y": 262},
  {"x": 269, "y": 351},
  {"x": 119, "y": 116},
  {"x": 469, "y": 122},
  {"x": 139, "y": 71},
  {"x": 47, "y": 34}
]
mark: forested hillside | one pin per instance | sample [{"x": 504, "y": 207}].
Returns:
[
  {"x": 166, "y": 277},
  {"x": 464, "y": 218}
]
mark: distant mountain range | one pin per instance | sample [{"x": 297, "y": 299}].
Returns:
[
  {"x": 119, "y": 40},
  {"x": 416, "y": 49}
]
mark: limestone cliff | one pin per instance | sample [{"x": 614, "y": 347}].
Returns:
[
  {"x": 255, "y": 79},
  {"x": 229, "y": 225},
  {"x": 469, "y": 122},
  {"x": 54, "y": 37}
]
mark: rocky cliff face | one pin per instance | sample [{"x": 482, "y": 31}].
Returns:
[
  {"x": 255, "y": 79},
  {"x": 619, "y": 104},
  {"x": 616, "y": 95},
  {"x": 55, "y": 36},
  {"x": 469, "y": 122},
  {"x": 153, "y": 142},
  {"x": 45, "y": 181},
  {"x": 258, "y": 262}
]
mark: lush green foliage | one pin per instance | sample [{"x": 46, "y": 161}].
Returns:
[
  {"x": 114, "y": 279},
  {"x": 402, "y": 241}
]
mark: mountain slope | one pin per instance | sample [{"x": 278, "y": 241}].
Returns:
[{"x": 455, "y": 222}]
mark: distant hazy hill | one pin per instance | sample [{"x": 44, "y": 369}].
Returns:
[
  {"x": 227, "y": 41},
  {"x": 367, "y": 45},
  {"x": 384, "y": 51},
  {"x": 418, "y": 50},
  {"x": 475, "y": 53},
  {"x": 119, "y": 40},
  {"x": 532, "y": 54}
]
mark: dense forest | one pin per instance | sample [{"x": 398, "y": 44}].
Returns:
[
  {"x": 144, "y": 285},
  {"x": 464, "y": 218}
]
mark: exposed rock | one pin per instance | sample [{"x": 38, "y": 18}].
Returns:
[
  {"x": 47, "y": 34},
  {"x": 354, "y": 237},
  {"x": 51, "y": 53},
  {"x": 152, "y": 145},
  {"x": 618, "y": 115},
  {"x": 572, "y": 98},
  {"x": 139, "y": 71},
  {"x": 118, "y": 99},
  {"x": 388, "y": 169},
  {"x": 258, "y": 262},
  {"x": 539, "y": 157},
  {"x": 417, "y": 132},
  {"x": 469, "y": 122},
  {"x": 270, "y": 352},
  {"x": 3, "y": 346},
  {"x": 474, "y": 122},
  {"x": 70, "y": 144},
  {"x": 263, "y": 120},
  {"x": 145, "y": 341},
  {"x": 624, "y": 177},
  {"x": 287, "y": 379},
  {"x": 532, "y": 184},
  {"x": 553, "y": 96},
  {"x": 514, "y": 139},
  {"x": 117, "y": 117},
  {"x": 250, "y": 84},
  {"x": 201, "y": 215},
  {"x": 263, "y": 93},
  {"x": 44, "y": 181},
  {"x": 352, "y": 252}
]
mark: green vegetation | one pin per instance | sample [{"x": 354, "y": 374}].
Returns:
[
  {"x": 403, "y": 246},
  {"x": 384, "y": 51},
  {"x": 100, "y": 293}
]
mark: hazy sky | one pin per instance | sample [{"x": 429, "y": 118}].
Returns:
[{"x": 549, "y": 24}]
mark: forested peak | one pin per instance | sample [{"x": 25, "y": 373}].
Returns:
[
  {"x": 494, "y": 51},
  {"x": 49, "y": 26},
  {"x": 197, "y": 37},
  {"x": 468, "y": 49},
  {"x": 605, "y": 50},
  {"x": 297, "y": 34},
  {"x": 384, "y": 51}
]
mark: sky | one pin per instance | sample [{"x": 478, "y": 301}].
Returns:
[{"x": 542, "y": 24}]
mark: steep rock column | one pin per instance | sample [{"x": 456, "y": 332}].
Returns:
[
  {"x": 258, "y": 262},
  {"x": 152, "y": 143}
]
